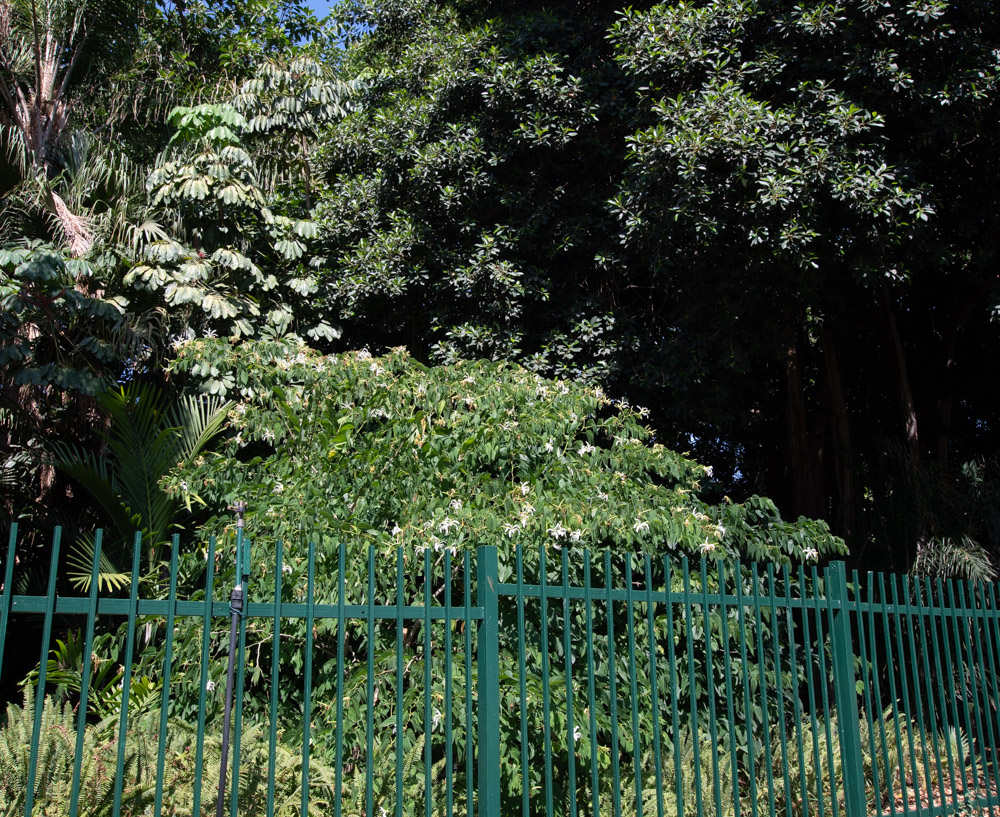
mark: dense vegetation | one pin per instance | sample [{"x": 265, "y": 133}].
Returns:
[{"x": 714, "y": 279}]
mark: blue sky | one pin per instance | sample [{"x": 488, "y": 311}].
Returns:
[{"x": 321, "y": 7}]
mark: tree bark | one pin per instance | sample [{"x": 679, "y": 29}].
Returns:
[
  {"x": 903, "y": 390},
  {"x": 842, "y": 460},
  {"x": 804, "y": 481}
]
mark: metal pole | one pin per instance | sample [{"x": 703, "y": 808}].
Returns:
[{"x": 236, "y": 610}]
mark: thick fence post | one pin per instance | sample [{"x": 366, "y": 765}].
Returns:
[
  {"x": 845, "y": 691},
  {"x": 488, "y": 684}
]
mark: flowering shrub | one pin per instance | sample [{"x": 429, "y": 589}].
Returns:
[{"x": 386, "y": 451}]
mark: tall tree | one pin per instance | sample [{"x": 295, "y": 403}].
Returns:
[{"x": 772, "y": 222}]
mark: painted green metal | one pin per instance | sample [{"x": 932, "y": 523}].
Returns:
[
  {"x": 845, "y": 691},
  {"x": 307, "y": 655},
  {"x": 88, "y": 669},
  {"x": 272, "y": 736},
  {"x": 243, "y": 567},
  {"x": 36, "y": 730},
  {"x": 126, "y": 677},
  {"x": 206, "y": 643},
  {"x": 168, "y": 654},
  {"x": 705, "y": 654},
  {"x": 488, "y": 683}
]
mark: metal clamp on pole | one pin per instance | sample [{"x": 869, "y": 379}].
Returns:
[{"x": 235, "y": 611}]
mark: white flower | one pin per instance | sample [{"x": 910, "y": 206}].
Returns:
[
  {"x": 364, "y": 354},
  {"x": 511, "y": 529},
  {"x": 184, "y": 485},
  {"x": 640, "y": 526},
  {"x": 396, "y": 530},
  {"x": 277, "y": 489},
  {"x": 644, "y": 412},
  {"x": 577, "y": 734},
  {"x": 447, "y": 524},
  {"x": 456, "y": 504},
  {"x": 469, "y": 380},
  {"x": 708, "y": 470},
  {"x": 210, "y": 333},
  {"x": 527, "y": 510},
  {"x": 267, "y": 435},
  {"x": 525, "y": 489},
  {"x": 576, "y": 536},
  {"x": 549, "y": 446},
  {"x": 706, "y": 547},
  {"x": 586, "y": 448},
  {"x": 558, "y": 532},
  {"x": 810, "y": 554},
  {"x": 563, "y": 388},
  {"x": 438, "y": 717},
  {"x": 720, "y": 530},
  {"x": 286, "y": 568},
  {"x": 210, "y": 686},
  {"x": 541, "y": 391},
  {"x": 422, "y": 390},
  {"x": 602, "y": 495},
  {"x": 241, "y": 408},
  {"x": 300, "y": 358}
]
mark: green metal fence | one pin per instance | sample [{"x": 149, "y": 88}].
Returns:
[{"x": 557, "y": 683}]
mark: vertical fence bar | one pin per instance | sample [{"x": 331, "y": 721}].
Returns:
[
  {"x": 654, "y": 685},
  {"x": 133, "y": 603},
  {"x": 825, "y": 694},
  {"x": 989, "y": 667},
  {"x": 8, "y": 589},
  {"x": 762, "y": 676},
  {"x": 400, "y": 599},
  {"x": 488, "y": 682},
  {"x": 867, "y": 669},
  {"x": 921, "y": 624},
  {"x": 88, "y": 667},
  {"x": 36, "y": 731},
  {"x": 633, "y": 685},
  {"x": 905, "y": 684},
  {"x": 779, "y": 685},
  {"x": 747, "y": 693},
  {"x": 206, "y": 642},
  {"x": 546, "y": 700},
  {"x": 595, "y": 794},
  {"x": 272, "y": 740},
  {"x": 692, "y": 686},
  {"x": 734, "y": 770},
  {"x": 521, "y": 684},
  {"x": 470, "y": 772},
  {"x": 341, "y": 638},
  {"x": 568, "y": 666},
  {"x": 713, "y": 732},
  {"x": 810, "y": 683},
  {"x": 845, "y": 691},
  {"x": 993, "y": 634},
  {"x": 891, "y": 663},
  {"x": 674, "y": 698},
  {"x": 307, "y": 673},
  {"x": 936, "y": 613},
  {"x": 242, "y": 572},
  {"x": 612, "y": 688},
  {"x": 960, "y": 665},
  {"x": 168, "y": 655},
  {"x": 793, "y": 665},
  {"x": 968, "y": 620},
  {"x": 428, "y": 708},
  {"x": 449, "y": 761},
  {"x": 370, "y": 688}
]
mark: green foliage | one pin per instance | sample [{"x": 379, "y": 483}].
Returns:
[
  {"x": 147, "y": 438},
  {"x": 57, "y": 750},
  {"x": 451, "y": 457}
]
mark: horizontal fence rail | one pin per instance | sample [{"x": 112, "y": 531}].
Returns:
[{"x": 543, "y": 682}]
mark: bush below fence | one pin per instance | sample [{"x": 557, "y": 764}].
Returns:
[{"x": 553, "y": 683}]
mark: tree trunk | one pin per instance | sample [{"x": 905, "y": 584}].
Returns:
[
  {"x": 842, "y": 460},
  {"x": 903, "y": 391},
  {"x": 805, "y": 484}
]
